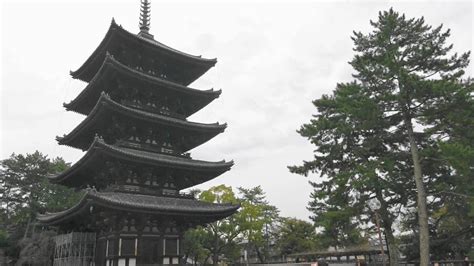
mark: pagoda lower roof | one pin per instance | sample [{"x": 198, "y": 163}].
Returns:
[
  {"x": 193, "y": 66},
  {"x": 136, "y": 203},
  {"x": 99, "y": 121},
  {"x": 112, "y": 69},
  {"x": 85, "y": 170}
]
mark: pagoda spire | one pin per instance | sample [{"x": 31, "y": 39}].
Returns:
[{"x": 144, "y": 24}]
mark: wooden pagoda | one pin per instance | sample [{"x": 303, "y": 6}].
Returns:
[{"x": 136, "y": 136}]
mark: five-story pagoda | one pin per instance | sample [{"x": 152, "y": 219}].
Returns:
[{"x": 137, "y": 137}]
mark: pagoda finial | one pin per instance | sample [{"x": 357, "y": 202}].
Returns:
[{"x": 144, "y": 16}]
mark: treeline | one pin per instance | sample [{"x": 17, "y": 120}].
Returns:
[
  {"x": 256, "y": 233},
  {"x": 256, "y": 228},
  {"x": 26, "y": 191}
]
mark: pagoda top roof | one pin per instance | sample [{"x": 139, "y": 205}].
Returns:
[
  {"x": 99, "y": 151},
  {"x": 105, "y": 104},
  {"x": 81, "y": 103},
  {"x": 137, "y": 203},
  {"x": 87, "y": 71}
]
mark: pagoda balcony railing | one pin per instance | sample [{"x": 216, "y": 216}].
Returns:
[
  {"x": 152, "y": 191},
  {"x": 163, "y": 149},
  {"x": 152, "y": 108},
  {"x": 151, "y": 71}
]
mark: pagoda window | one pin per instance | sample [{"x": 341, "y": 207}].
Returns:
[
  {"x": 128, "y": 246},
  {"x": 110, "y": 248},
  {"x": 171, "y": 246}
]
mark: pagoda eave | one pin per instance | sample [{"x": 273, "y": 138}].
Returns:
[
  {"x": 117, "y": 34},
  {"x": 99, "y": 151},
  {"x": 155, "y": 205},
  {"x": 111, "y": 67},
  {"x": 105, "y": 108}
]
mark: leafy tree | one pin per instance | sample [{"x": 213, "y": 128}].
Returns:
[
  {"x": 194, "y": 243},
  {"x": 296, "y": 236},
  {"x": 378, "y": 134},
  {"x": 252, "y": 224},
  {"x": 261, "y": 219},
  {"x": 222, "y": 234},
  {"x": 25, "y": 191}
]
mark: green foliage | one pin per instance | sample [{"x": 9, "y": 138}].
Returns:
[
  {"x": 219, "y": 194},
  {"x": 253, "y": 224},
  {"x": 296, "y": 236},
  {"x": 408, "y": 98},
  {"x": 3, "y": 238},
  {"x": 260, "y": 220},
  {"x": 25, "y": 191},
  {"x": 218, "y": 237},
  {"x": 194, "y": 245}
]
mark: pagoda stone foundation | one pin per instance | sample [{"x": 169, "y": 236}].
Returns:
[{"x": 136, "y": 139}]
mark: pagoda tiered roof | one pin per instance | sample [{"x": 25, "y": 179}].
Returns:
[
  {"x": 136, "y": 136},
  {"x": 191, "y": 67},
  {"x": 193, "y": 99},
  {"x": 136, "y": 203},
  {"x": 193, "y": 172},
  {"x": 99, "y": 121}
]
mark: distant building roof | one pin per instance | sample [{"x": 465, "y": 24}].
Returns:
[{"x": 349, "y": 251}]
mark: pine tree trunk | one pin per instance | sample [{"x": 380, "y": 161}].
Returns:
[
  {"x": 27, "y": 228},
  {"x": 215, "y": 254},
  {"x": 393, "y": 251},
  {"x": 421, "y": 197}
]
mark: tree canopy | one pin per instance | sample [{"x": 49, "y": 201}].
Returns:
[
  {"x": 393, "y": 133},
  {"x": 25, "y": 191}
]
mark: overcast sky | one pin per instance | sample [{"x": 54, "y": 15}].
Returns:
[{"x": 273, "y": 60}]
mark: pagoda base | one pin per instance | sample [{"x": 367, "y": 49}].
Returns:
[
  {"x": 125, "y": 249},
  {"x": 129, "y": 229},
  {"x": 74, "y": 249}
]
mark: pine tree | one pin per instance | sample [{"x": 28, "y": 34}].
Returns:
[{"x": 381, "y": 136}]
